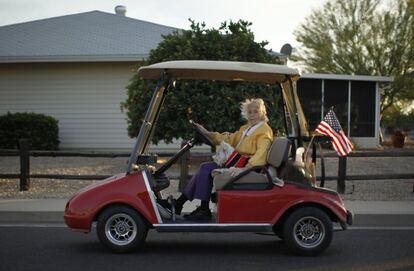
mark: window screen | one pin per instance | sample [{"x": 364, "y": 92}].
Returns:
[
  {"x": 336, "y": 95},
  {"x": 310, "y": 95},
  {"x": 362, "y": 109}
]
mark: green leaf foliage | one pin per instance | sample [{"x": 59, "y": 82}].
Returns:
[
  {"x": 396, "y": 120},
  {"x": 42, "y": 131},
  {"x": 214, "y": 104},
  {"x": 365, "y": 37}
]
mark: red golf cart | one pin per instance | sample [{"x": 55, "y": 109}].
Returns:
[{"x": 280, "y": 200}]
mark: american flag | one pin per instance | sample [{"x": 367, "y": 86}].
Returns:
[{"x": 330, "y": 127}]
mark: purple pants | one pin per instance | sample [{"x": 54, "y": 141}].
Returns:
[{"x": 201, "y": 183}]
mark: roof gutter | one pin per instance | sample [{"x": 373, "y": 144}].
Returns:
[
  {"x": 69, "y": 58},
  {"x": 347, "y": 77}
]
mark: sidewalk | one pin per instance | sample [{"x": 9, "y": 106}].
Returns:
[
  {"x": 51, "y": 210},
  {"x": 381, "y": 207},
  {"x": 32, "y": 210}
]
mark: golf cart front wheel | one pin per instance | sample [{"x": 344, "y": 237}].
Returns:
[
  {"x": 121, "y": 229},
  {"x": 308, "y": 231}
]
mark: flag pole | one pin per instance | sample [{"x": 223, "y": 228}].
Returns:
[
  {"x": 310, "y": 144},
  {"x": 313, "y": 163}
]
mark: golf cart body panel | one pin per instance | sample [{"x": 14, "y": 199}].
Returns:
[
  {"x": 234, "y": 207},
  {"x": 130, "y": 190},
  {"x": 242, "y": 206}
]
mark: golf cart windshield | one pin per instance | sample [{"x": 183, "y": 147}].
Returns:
[{"x": 168, "y": 72}]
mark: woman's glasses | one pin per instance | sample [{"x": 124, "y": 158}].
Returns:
[{"x": 252, "y": 111}]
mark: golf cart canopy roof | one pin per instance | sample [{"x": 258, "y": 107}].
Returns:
[
  {"x": 220, "y": 70},
  {"x": 167, "y": 72}
]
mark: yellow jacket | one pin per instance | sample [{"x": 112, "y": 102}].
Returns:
[{"x": 255, "y": 146}]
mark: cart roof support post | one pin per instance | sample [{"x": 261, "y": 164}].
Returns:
[{"x": 148, "y": 123}]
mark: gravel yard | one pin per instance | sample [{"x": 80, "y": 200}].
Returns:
[{"x": 48, "y": 188}]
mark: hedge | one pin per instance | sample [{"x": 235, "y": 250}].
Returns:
[{"x": 41, "y": 130}]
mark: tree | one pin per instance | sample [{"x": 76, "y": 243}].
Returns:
[
  {"x": 362, "y": 37},
  {"x": 214, "y": 104},
  {"x": 397, "y": 120}
]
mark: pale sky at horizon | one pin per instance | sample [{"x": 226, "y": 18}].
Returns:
[{"x": 273, "y": 21}]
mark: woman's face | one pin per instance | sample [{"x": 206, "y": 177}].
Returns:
[{"x": 253, "y": 114}]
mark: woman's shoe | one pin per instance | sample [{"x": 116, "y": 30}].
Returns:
[
  {"x": 164, "y": 203},
  {"x": 199, "y": 215}
]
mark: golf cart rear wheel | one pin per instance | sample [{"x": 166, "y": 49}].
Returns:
[
  {"x": 121, "y": 229},
  {"x": 308, "y": 231}
]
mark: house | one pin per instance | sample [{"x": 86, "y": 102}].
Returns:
[{"x": 76, "y": 69}]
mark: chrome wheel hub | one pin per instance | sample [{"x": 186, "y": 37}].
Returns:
[
  {"x": 309, "y": 232},
  {"x": 120, "y": 229}
]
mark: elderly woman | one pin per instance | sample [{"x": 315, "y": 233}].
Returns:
[{"x": 252, "y": 140}]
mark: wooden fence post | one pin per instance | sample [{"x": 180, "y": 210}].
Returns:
[
  {"x": 24, "y": 165},
  {"x": 341, "y": 175},
  {"x": 184, "y": 168}
]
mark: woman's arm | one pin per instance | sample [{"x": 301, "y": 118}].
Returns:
[
  {"x": 262, "y": 147},
  {"x": 230, "y": 138},
  {"x": 226, "y": 137},
  {"x": 217, "y": 138}
]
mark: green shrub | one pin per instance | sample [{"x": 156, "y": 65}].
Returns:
[{"x": 41, "y": 130}]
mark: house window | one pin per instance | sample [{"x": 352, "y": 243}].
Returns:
[
  {"x": 310, "y": 95},
  {"x": 336, "y": 95},
  {"x": 362, "y": 109}
]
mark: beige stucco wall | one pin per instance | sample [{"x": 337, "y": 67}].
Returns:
[{"x": 84, "y": 97}]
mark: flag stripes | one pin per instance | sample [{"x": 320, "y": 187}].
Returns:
[
  {"x": 324, "y": 128},
  {"x": 330, "y": 127}
]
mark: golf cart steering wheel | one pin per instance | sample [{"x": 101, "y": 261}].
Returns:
[{"x": 200, "y": 135}]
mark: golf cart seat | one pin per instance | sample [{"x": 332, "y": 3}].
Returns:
[{"x": 251, "y": 180}]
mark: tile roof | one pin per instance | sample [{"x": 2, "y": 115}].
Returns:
[{"x": 89, "y": 36}]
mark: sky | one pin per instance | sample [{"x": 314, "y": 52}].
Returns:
[{"x": 273, "y": 20}]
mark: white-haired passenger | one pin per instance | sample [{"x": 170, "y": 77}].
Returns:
[{"x": 252, "y": 140}]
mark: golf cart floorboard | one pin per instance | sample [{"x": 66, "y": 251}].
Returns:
[
  {"x": 183, "y": 225},
  {"x": 180, "y": 219}
]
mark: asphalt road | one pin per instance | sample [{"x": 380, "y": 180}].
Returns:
[{"x": 375, "y": 243}]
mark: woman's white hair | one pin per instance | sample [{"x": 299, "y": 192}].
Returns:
[{"x": 257, "y": 102}]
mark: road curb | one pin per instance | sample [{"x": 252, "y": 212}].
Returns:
[
  {"x": 387, "y": 220},
  {"x": 31, "y": 217}
]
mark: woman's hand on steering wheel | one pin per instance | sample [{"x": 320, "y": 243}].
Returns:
[
  {"x": 202, "y": 129},
  {"x": 203, "y": 133}
]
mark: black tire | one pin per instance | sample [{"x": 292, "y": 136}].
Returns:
[
  {"x": 308, "y": 231},
  {"x": 121, "y": 229}
]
